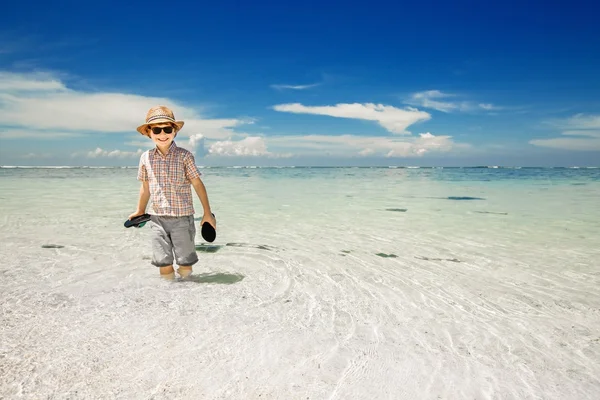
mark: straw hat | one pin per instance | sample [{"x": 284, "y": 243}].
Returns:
[{"x": 158, "y": 115}]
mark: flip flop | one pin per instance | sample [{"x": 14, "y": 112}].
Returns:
[
  {"x": 138, "y": 221},
  {"x": 208, "y": 232}
]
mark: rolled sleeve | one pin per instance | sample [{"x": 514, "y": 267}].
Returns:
[
  {"x": 191, "y": 170},
  {"x": 142, "y": 171}
]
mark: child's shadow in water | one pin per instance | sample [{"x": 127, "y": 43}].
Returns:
[{"x": 220, "y": 278}]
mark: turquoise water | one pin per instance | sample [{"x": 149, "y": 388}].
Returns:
[{"x": 324, "y": 282}]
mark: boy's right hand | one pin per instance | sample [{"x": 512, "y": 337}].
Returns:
[{"x": 135, "y": 214}]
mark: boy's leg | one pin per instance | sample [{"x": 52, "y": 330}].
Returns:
[
  {"x": 162, "y": 248},
  {"x": 167, "y": 272},
  {"x": 184, "y": 270},
  {"x": 183, "y": 236}
]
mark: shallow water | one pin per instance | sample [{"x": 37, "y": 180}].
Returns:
[{"x": 327, "y": 283}]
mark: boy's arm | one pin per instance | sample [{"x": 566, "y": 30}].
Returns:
[
  {"x": 203, "y": 196},
  {"x": 144, "y": 197},
  {"x": 143, "y": 201},
  {"x": 142, "y": 176}
]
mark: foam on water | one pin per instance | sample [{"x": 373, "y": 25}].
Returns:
[{"x": 324, "y": 283}]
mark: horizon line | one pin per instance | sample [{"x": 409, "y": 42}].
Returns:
[{"x": 308, "y": 166}]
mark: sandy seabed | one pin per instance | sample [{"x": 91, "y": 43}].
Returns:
[{"x": 260, "y": 321}]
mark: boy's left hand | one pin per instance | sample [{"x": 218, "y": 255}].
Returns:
[{"x": 210, "y": 219}]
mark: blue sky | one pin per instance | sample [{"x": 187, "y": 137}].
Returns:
[{"x": 312, "y": 83}]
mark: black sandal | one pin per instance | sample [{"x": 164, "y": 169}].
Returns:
[
  {"x": 138, "y": 221},
  {"x": 208, "y": 232}
]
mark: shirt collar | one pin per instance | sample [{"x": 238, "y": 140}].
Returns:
[{"x": 172, "y": 147}]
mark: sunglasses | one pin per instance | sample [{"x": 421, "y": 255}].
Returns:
[{"x": 166, "y": 129}]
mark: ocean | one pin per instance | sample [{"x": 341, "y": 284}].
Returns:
[{"x": 323, "y": 283}]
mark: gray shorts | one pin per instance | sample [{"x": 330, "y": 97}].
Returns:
[{"x": 173, "y": 238}]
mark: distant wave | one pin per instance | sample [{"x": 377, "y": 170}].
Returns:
[
  {"x": 60, "y": 167},
  {"x": 295, "y": 166}
]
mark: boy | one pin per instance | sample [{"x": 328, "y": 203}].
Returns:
[{"x": 166, "y": 173}]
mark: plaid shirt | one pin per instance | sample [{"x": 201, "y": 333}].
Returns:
[{"x": 170, "y": 180}]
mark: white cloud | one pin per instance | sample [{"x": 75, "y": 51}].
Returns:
[
  {"x": 585, "y": 126},
  {"x": 393, "y": 119},
  {"x": 42, "y": 102},
  {"x": 431, "y": 99},
  {"x": 195, "y": 144},
  {"x": 295, "y": 87},
  {"x": 41, "y": 105},
  {"x": 250, "y": 146},
  {"x": 214, "y": 128},
  {"x": 197, "y": 140}
]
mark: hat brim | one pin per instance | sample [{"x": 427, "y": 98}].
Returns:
[{"x": 143, "y": 129}]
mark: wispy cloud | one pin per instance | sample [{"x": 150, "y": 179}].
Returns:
[
  {"x": 33, "y": 156},
  {"x": 295, "y": 87},
  {"x": 436, "y": 100},
  {"x": 428, "y": 98},
  {"x": 354, "y": 145},
  {"x": 393, "y": 119},
  {"x": 582, "y": 133},
  {"x": 579, "y": 144},
  {"x": 36, "y": 134},
  {"x": 488, "y": 107},
  {"x": 142, "y": 142},
  {"x": 37, "y": 81},
  {"x": 578, "y": 121},
  {"x": 22, "y": 41},
  {"x": 101, "y": 153}
]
